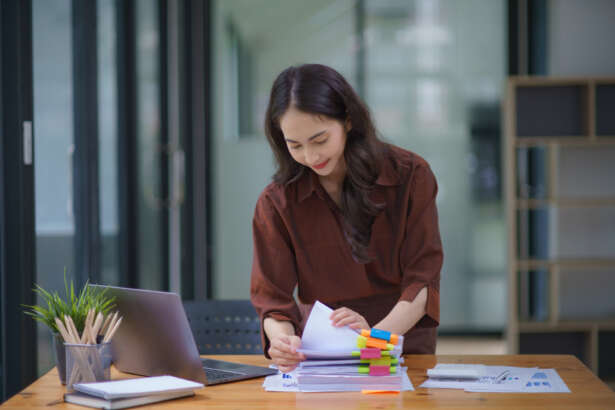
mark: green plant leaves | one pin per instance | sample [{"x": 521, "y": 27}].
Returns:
[{"x": 74, "y": 305}]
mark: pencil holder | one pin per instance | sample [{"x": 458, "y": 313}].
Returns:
[
  {"x": 60, "y": 355},
  {"x": 87, "y": 363}
]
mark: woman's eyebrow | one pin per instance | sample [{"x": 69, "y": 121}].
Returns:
[{"x": 309, "y": 139}]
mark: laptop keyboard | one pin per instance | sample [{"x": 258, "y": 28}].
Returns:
[{"x": 217, "y": 375}]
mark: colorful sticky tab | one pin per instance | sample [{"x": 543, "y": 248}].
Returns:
[
  {"x": 379, "y": 370},
  {"x": 380, "y": 391},
  {"x": 380, "y": 334},
  {"x": 375, "y": 370},
  {"x": 377, "y": 343},
  {"x": 361, "y": 340},
  {"x": 370, "y": 353},
  {"x": 381, "y": 361}
]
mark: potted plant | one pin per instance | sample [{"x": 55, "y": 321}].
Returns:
[{"x": 77, "y": 305}]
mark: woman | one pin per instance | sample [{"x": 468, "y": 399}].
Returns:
[{"x": 348, "y": 220}]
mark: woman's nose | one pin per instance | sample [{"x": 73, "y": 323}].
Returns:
[{"x": 311, "y": 156}]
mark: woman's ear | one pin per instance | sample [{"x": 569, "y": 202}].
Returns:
[{"x": 347, "y": 125}]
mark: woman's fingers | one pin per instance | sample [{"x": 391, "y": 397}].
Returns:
[
  {"x": 283, "y": 352},
  {"x": 346, "y": 317},
  {"x": 349, "y": 321},
  {"x": 285, "y": 355},
  {"x": 286, "y": 369}
]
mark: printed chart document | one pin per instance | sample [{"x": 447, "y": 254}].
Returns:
[
  {"x": 503, "y": 379},
  {"x": 541, "y": 381}
]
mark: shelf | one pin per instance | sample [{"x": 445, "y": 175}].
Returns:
[
  {"x": 560, "y": 196},
  {"x": 563, "y": 140},
  {"x": 567, "y": 326},
  {"x": 564, "y": 202},
  {"x": 566, "y": 263}
]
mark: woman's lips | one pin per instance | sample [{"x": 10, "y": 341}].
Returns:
[{"x": 321, "y": 165}]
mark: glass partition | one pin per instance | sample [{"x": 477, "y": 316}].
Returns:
[
  {"x": 434, "y": 77},
  {"x": 432, "y": 73},
  {"x": 150, "y": 195},
  {"x": 108, "y": 143},
  {"x": 53, "y": 153}
]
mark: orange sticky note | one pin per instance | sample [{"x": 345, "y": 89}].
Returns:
[{"x": 380, "y": 391}]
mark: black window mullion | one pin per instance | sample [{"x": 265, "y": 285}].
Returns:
[
  {"x": 164, "y": 142},
  {"x": 17, "y": 220},
  {"x": 127, "y": 142},
  {"x": 537, "y": 37},
  {"x": 527, "y": 37},
  {"x": 196, "y": 225},
  {"x": 188, "y": 21},
  {"x": 85, "y": 163}
]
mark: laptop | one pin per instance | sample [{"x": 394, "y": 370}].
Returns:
[{"x": 155, "y": 339}]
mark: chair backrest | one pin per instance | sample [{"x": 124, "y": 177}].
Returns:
[{"x": 224, "y": 326}]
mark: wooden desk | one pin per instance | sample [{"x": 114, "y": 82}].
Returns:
[{"x": 587, "y": 391}]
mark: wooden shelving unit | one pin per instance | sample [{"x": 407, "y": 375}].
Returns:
[{"x": 560, "y": 195}]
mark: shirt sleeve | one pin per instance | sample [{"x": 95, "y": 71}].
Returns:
[
  {"x": 421, "y": 251},
  {"x": 274, "y": 273}
]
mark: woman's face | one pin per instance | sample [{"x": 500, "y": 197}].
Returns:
[{"x": 315, "y": 141}]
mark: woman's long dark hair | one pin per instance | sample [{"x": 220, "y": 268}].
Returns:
[{"x": 320, "y": 90}]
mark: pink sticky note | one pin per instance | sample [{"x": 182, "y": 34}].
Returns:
[
  {"x": 370, "y": 353},
  {"x": 379, "y": 370}
]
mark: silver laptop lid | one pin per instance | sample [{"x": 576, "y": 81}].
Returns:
[{"x": 154, "y": 337}]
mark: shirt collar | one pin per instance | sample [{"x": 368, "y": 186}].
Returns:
[
  {"x": 388, "y": 175},
  {"x": 308, "y": 183}
]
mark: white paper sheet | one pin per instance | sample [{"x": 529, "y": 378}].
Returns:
[
  {"x": 319, "y": 363},
  {"x": 321, "y": 336},
  {"x": 514, "y": 381},
  {"x": 141, "y": 386},
  {"x": 287, "y": 382}
]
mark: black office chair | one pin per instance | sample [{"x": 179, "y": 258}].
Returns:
[{"x": 224, "y": 326}]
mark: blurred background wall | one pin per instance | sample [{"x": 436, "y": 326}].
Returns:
[
  {"x": 148, "y": 152},
  {"x": 431, "y": 73}
]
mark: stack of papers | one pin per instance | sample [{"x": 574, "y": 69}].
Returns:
[
  {"x": 495, "y": 379},
  {"x": 334, "y": 363},
  {"x": 122, "y": 394}
]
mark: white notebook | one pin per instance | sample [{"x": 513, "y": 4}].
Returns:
[{"x": 142, "y": 386}]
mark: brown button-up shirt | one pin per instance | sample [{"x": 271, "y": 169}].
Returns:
[{"x": 299, "y": 241}]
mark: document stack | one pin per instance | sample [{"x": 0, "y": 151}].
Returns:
[{"x": 339, "y": 359}]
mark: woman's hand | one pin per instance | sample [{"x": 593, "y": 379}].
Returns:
[
  {"x": 283, "y": 352},
  {"x": 344, "y": 316}
]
